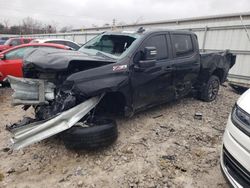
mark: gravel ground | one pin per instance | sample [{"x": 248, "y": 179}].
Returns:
[{"x": 161, "y": 147}]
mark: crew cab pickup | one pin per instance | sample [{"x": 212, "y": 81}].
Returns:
[{"x": 127, "y": 71}]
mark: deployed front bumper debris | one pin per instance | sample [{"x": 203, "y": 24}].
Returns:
[
  {"x": 39, "y": 92},
  {"x": 34, "y": 132},
  {"x": 31, "y": 91}
]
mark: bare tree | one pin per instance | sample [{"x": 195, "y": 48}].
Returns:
[
  {"x": 66, "y": 29},
  {"x": 30, "y": 26},
  {"x": 106, "y": 25},
  {"x": 54, "y": 26},
  {"x": 121, "y": 23},
  {"x": 94, "y": 25},
  {"x": 139, "y": 20},
  {"x": 6, "y": 23},
  {"x": 2, "y": 28}
]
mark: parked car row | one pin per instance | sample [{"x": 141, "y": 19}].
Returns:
[
  {"x": 12, "y": 51},
  {"x": 11, "y": 42},
  {"x": 11, "y": 60},
  {"x": 14, "y": 42},
  {"x": 69, "y": 43},
  {"x": 3, "y": 40}
]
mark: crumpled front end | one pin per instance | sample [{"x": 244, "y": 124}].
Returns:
[
  {"x": 54, "y": 111},
  {"x": 62, "y": 88}
]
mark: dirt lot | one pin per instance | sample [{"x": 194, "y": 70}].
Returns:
[{"x": 162, "y": 147}]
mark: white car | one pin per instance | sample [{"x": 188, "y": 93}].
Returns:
[
  {"x": 235, "y": 155},
  {"x": 64, "y": 42}
]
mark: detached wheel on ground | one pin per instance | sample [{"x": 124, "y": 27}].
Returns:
[
  {"x": 96, "y": 134},
  {"x": 211, "y": 89}
]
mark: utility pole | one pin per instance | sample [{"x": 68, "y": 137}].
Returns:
[{"x": 113, "y": 25}]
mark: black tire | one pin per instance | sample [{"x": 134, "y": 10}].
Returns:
[
  {"x": 100, "y": 133},
  {"x": 211, "y": 89}
]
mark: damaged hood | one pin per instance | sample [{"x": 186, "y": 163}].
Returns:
[{"x": 57, "y": 59}]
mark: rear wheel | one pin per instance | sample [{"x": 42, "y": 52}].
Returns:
[
  {"x": 91, "y": 135},
  {"x": 211, "y": 89}
]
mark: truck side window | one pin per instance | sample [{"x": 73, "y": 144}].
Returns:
[
  {"x": 182, "y": 44},
  {"x": 160, "y": 42}
]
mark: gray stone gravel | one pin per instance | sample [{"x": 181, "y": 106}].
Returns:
[{"x": 161, "y": 147}]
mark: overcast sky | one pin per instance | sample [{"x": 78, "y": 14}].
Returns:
[{"x": 85, "y": 13}]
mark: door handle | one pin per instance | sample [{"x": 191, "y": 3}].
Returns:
[{"x": 138, "y": 69}]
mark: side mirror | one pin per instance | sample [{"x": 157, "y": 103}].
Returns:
[
  {"x": 2, "y": 56},
  {"x": 149, "y": 59},
  {"x": 150, "y": 53}
]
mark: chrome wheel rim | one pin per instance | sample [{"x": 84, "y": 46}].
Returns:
[{"x": 213, "y": 89}]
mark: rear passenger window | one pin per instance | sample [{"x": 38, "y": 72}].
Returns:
[
  {"x": 182, "y": 44},
  {"x": 160, "y": 42}
]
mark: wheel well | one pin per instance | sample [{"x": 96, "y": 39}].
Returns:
[
  {"x": 220, "y": 73},
  {"x": 112, "y": 102}
]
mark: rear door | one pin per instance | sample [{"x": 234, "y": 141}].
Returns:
[
  {"x": 154, "y": 85},
  {"x": 186, "y": 61}
]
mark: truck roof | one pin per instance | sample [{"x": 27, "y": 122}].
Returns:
[{"x": 147, "y": 31}]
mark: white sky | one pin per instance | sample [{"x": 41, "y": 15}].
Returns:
[{"x": 84, "y": 13}]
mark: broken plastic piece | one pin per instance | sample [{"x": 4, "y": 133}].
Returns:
[
  {"x": 198, "y": 116},
  {"x": 31, "y": 91},
  {"x": 38, "y": 131}
]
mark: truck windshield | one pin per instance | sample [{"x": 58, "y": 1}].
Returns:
[{"x": 109, "y": 45}]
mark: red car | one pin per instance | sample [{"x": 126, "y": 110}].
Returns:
[
  {"x": 11, "y": 60},
  {"x": 14, "y": 42}
]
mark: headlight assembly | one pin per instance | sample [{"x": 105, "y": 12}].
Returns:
[{"x": 241, "y": 119}]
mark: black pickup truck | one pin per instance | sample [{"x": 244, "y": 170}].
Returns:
[{"x": 130, "y": 71}]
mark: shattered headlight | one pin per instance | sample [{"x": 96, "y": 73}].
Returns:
[{"x": 241, "y": 119}]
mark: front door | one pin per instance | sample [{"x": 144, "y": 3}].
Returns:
[{"x": 154, "y": 85}]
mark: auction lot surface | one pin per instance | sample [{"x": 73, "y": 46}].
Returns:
[{"x": 162, "y": 147}]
